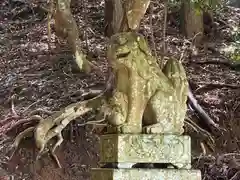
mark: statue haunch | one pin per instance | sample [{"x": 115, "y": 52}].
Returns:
[{"x": 146, "y": 99}]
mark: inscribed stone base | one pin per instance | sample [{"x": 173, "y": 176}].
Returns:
[
  {"x": 146, "y": 148},
  {"x": 145, "y": 174}
]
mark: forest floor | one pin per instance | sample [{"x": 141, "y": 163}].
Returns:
[{"x": 33, "y": 76}]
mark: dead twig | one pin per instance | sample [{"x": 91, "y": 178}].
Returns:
[
  {"x": 40, "y": 110},
  {"x": 203, "y": 148},
  {"x": 219, "y": 85},
  {"x": 96, "y": 123},
  {"x": 152, "y": 35},
  {"x": 165, "y": 25},
  {"x": 85, "y": 29},
  {"x": 220, "y": 158},
  {"x": 236, "y": 176},
  {"x": 31, "y": 105},
  {"x": 232, "y": 65},
  {"x": 13, "y": 124},
  {"x": 206, "y": 136},
  {"x": 13, "y": 107},
  {"x": 164, "y": 31}
]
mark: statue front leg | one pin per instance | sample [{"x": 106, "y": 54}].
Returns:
[
  {"x": 136, "y": 105},
  {"x": 166, "y": 109},
  {"x": 162, "y": 115},
  {"x": 127, "y": 108}
]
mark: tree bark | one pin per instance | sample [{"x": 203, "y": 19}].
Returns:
[
  {"x": 191, "y": 21},
  {"x": 114, "y": 14},
  {"x": 123, "y": 15}
]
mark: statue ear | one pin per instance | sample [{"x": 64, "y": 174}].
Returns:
[
  {"x": 175, "y": 71},
  {"x": 143, "y": 45}
]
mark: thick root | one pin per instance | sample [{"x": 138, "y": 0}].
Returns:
[
  {"x": 205, "y": 136},
  {"x": 52, "y": 126},
  {"x": 40, "y": 110},
  {"x": 58, "y": 143},
  {"x": 26, "y": 133}
]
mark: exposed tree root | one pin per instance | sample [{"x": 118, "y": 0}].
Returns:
[
  {"x": 40, "y": 110},
  {"x": 24, "y": 134},
  {"x": 10, "y": 122},
  {"x": 232, "y": 65},
  {"x": 205, "y": 117},
  {"x": 53, "y": 125},
  {"x": 219, "y": 85},
  {"x": 206, "y": 137}
]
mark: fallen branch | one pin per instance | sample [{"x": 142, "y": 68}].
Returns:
[
  {"x": 220, "y": 85},
  {"x": 232, "y": 65},
  {"x": 206, "y": 137},
  {"x": 236, "y": 176},
  {"x": 200, "y": 111}
]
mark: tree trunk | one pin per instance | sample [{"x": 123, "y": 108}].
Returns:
[
  {"x": 114, "y": 17},
  {"x": 124, "y": 15},
  {"x": 191, "y": 21},
  {"x": 234, "y": 3}
]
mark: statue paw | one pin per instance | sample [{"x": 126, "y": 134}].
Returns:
[
  {"x": 153, "y": 129},
  {"x": 126, "y": 129}
]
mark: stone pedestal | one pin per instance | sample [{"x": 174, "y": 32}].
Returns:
[
  {"x": 145, "y": 148},
  {"x": 145, "y": 174}
]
